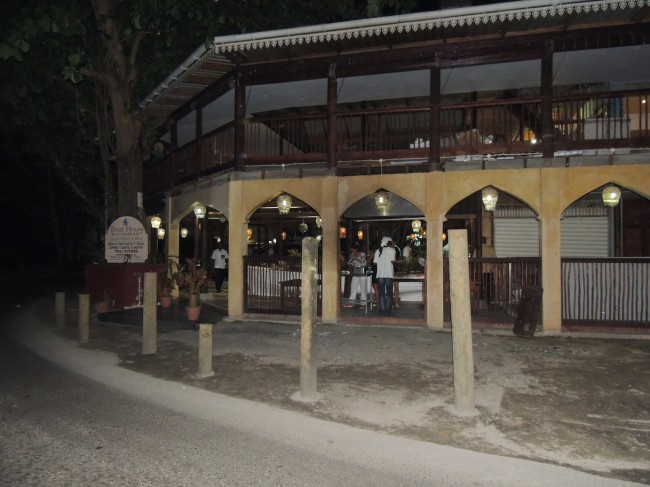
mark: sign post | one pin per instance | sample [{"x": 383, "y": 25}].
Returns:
[{"x": 126, "y": 241}]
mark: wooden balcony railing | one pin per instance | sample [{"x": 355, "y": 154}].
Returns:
[{"x": 497, "y": 126}]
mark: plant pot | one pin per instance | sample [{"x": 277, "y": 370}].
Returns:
[
  {"x": 193, "y": 300},
  {"x": 102, "y": 307},
  {"x": 193, "y": 312},
  {"x": 166, "y": 301}
]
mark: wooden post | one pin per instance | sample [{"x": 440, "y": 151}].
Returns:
[
  {"x": 461, "y": 322},
  {"x": 434, "y": 118},
  {"x": 84, "y": 317},
  {"x": 149, "y": 315},
  {"x": 309, "y": 289},
  {"x": 205, "y": 351},
  {"x": 332, "y": 90},
  {"x": 59, "y": 310},
  {"x": 548, "y": 127}
]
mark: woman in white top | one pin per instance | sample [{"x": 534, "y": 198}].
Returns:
[{"x": 359, "y": 279}]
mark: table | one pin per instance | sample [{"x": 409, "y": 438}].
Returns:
[{"x": 410, "y": 278}]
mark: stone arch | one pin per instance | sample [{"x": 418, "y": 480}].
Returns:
[
  {"x": 269, "y": 232},
  {"x": 525, "y": 190},
  {"x": 265, "y": 191},
  {"x": 619, "y": 231},
  {"x": 354, "y": 189}
]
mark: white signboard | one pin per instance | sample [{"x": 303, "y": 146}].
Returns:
[{"x": 126, "y": 241}]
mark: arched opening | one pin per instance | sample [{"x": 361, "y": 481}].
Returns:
[
  {"x": 503, "y": 237},
  {"x": 273, "y": 263},
  {"x": 364, "y": 224},
  {"x": 605, "y": 245},
  {"x": 272, "y": 232},
  {"x": 198, "y": 236}
]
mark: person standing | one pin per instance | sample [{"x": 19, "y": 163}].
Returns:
[
  {"x": 220, "y": 259},
  {"x": 407, "y": 251},
  {"x": 375, "y": 284},
  {"x": 385, "y": 258},
  {"x": 359, "y": 279},
  {"x": 399, "y": 260}
]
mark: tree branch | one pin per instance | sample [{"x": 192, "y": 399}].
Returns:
[
  {"x": 131, "y": 72},
  {"x": 95, "y": 211}
]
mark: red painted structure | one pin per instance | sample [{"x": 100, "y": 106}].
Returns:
[{"x": 122, "y": 283}]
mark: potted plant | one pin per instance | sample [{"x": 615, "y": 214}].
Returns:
[
  {"x": 191, "y": 279},
  {"x": 166, "y": 280}
]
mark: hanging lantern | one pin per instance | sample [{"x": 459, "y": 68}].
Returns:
[
  {"x": 161, "y": 233},
  {"x": 360, "y": 234},
  {"x": 199, "y": 210},
  {"x": 343, "y": 232},
  {"x": 249, "y": 233},
  {"x": 490, "y": 197},
  {"x": 222, "y": 218},
  {"x": 444, "y": 237},
  {"x": 319, "y": 222},
  {"x": 416, "y": 225},
  {"x": 184, "y": 232},
  {"x": 319, "y": 238},
  {"x": 302, "y": 228},
  {"x": 611, "y": 195},
  {"x": 284, "y": 235},
  {"x": 382, "y": 199},
  {"x": 155, "y": 221},
  {"x": 412, "y": 236},
  {"x": 284, "y": 203}
]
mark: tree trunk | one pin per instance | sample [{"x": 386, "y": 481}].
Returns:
[
  {"x": 54, "y": 221},
  {"x": 118, "y": 76}
]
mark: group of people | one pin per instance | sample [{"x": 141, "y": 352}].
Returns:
[{"x": 382, "y": 261}]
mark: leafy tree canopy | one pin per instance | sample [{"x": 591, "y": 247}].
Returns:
[{"x": 73, "y": 71}]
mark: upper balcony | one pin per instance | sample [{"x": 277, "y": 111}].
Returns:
[{"x": 492, "y": 132}]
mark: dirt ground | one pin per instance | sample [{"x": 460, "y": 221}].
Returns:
[{"x": 578, "y": 402}]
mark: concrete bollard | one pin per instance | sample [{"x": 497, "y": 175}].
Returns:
[
  {"x": 84, "y": 317},
  {"x": 205, "y": 351},
  {"x": 149, "y": 314},
  {"x": 309, "y": 290},
  {"x": 461, "y": 323},
  {"x": 59, "y": 307}
]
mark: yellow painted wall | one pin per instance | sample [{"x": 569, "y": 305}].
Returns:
[{"x": 548, "y": 191}]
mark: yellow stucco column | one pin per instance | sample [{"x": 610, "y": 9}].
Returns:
[
  {"x": 236, "y": 251},
  {"x": 434, "y": 277},
  {"x": 331, "y": 280},
  {"x": 434, "y": 274},
  {"x": 550, "y": 240}
]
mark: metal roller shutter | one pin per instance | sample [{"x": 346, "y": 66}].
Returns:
[
  {"x": 581, "y": 237},
  {"x": 585, "y": 237},
  {"x": 516, "y": 237}
]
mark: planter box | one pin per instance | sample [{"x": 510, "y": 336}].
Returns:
[{"x": 124, "y": 283}]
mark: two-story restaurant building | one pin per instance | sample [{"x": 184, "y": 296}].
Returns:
[{"x": 411, "y": 126}]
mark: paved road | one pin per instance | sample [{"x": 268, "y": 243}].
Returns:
[{"x": 59, "y": 427}]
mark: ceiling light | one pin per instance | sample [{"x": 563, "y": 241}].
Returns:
[
  {"x": 611, "y": 195},
  {"x": 490, "y": 197},
  {"x": 155, "y": 221},
  {"x": 382, "y": 199},
  {"x": 284, "y": 203},
  {"x": 199, "y": 210}
]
